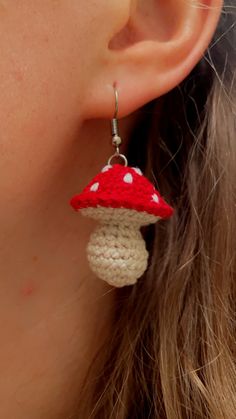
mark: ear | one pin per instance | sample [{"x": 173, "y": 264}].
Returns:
[{"x": 152, "y": 52}]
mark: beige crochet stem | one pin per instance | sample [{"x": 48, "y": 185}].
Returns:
[{"x": 117, "y": 253}]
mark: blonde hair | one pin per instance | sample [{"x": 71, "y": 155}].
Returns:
[{"x": 172, "y": 354}]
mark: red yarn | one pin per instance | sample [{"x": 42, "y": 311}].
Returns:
[{"x": 122, "y": 187}]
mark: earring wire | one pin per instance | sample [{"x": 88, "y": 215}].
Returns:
[
  {"x": 116, "y": 139},
  {"x": 117, "y": 102},
  {"x": 114, "y": 121}
]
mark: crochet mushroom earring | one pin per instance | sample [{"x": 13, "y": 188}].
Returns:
[{"x": 122, "y": 200}]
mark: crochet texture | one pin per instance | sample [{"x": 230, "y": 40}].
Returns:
[{"x": 123, "y": 200}]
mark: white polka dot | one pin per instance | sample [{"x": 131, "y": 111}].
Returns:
[
  {"x": 155, "y": 198},
  {"x": 94, "y": 187},
  {"x": 106, "y": 168},
  {"x": 128, "y": 178},
  {"x": 137, "y": 170}
]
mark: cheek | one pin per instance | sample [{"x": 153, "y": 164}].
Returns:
[{"x": 44, "y": 70}]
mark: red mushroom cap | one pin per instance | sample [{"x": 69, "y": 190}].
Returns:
[{"x": 118, "y": 186}]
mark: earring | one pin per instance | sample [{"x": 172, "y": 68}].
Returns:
[{"x": 122, "y": 200}]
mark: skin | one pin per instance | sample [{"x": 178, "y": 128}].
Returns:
[{"x": 58, "y": 65}]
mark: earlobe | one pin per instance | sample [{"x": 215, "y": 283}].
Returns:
[{"x": 147, "y": 58}]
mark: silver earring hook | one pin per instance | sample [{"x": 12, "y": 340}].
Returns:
[
  {"x": 114, "y": 122},
  {"x": 117, "y": 102},
  {"x": 116, "y": 140}
]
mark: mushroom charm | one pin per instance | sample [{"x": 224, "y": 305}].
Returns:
[{"x": 122, "y": 200}]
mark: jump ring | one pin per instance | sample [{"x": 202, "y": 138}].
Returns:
[{"x": 118, "y": 155}]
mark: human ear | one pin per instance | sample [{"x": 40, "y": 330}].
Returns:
[{"x": 154, "y": 49}]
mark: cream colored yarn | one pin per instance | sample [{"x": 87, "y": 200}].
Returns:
[
  {"x": 117, "y": 254},
  {"x": 116, "y": 251}
]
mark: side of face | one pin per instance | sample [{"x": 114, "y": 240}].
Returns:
[
  {"x": 59, "y": 60},
  {"x": 48, "y": 57},
  {"x": 50, "y": 310}
]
